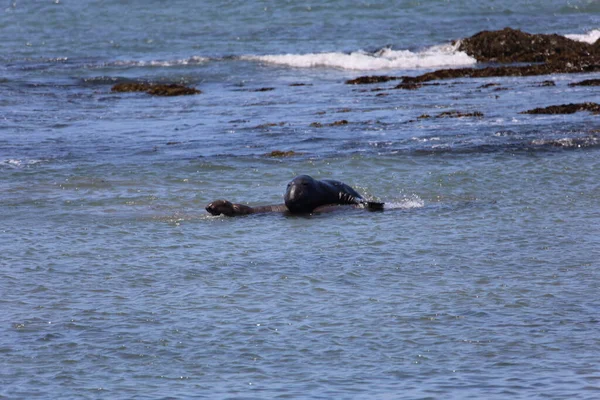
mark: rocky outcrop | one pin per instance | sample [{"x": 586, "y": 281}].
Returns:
[
  {"x": 566, "y": 109},
  {"x": 281, "y": 153},
  {"x": 525, "y": 70},
  {"x": 366, "y": 80},
  {"x": 587, "y": 82},
  {"x": 154, "y": 89},
  {"x": 546, "y": 54},
  {"x": 511, "y": 46}
]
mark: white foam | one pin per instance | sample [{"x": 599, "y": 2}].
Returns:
[
  {"x": 589, "y": 37},
  {"x": 195, "y": 60},
  {"x": 433, "y": 57},
  {"x": 15, "y": 163}
]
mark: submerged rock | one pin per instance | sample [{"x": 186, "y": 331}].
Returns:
[
  {"x": 339, "y": 123},
  {"x": 131, "y": 87},
  {"x": 155, "y": 88},
  {"x": 453, "y": 114},
  {"x": 566, "y": 109},
  {"x": 366, "y": 80},
  {"x": 269, "y": 125},
  {"x": 335, "y": 123},
  {"x": 547, "y": 83},
  {"x": 459, "y": 114},
  {"x": 280, "y": 153},
  {"x": 526, "y": 70},
  {"x": 409, "y": 86},
  {"x": 172, "y": 90},
  {"x": 264, "y": 89},
  {"x": 587, "y": 82},
  {"x": 488, "y": 85}
]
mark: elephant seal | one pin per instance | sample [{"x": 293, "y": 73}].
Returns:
[{"x": 304, "y": 194}]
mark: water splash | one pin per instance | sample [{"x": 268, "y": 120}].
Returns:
[{"x": 406, "y": 203}]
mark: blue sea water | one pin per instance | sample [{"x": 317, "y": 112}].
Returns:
[{"x": 479, "y": 280}]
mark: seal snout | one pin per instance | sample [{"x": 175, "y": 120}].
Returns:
[
  {"x": 211, "y": 208},
  {"x": 219, "y": 207},
  {"x": 300, "y": 193}
]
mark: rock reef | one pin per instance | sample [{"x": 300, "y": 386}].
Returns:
[
  {"x": 543, "y": 54},
  {"x": 281, "y": 153},
  {"x": 587, "y": 82},
  {"x": 514, "y": 46},
  {"x": 155, "y": 89},
  {"x": 566, "y": 109}
]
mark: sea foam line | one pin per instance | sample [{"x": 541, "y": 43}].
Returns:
[
  {"x": 432, "y": 57},
  {"x": 194, "y": 60}
]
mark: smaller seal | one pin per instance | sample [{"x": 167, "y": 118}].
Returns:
[{"x": 230, "y": 209}]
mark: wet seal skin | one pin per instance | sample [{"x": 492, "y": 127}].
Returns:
[{"x": 303, "y": 195}]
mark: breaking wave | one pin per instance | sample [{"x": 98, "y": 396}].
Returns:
[
  {"x": 433, "y": 57},
  {"x": 589, "y": 37}
]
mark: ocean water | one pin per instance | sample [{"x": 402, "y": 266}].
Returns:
[{"x": 479, "y": 280}]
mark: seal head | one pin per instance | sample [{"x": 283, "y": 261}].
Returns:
[{"x": 219, "y": 207}]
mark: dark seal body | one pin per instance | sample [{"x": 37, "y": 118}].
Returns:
[{"x": 304, "y": 194}]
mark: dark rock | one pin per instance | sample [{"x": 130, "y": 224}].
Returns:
[
  {"x": 512, "y": 45},
  {"x": 547, "y": 83},
  {"x": 458, "y": 114},
  {"x": 550, "y": 54},
  {"x": 269, "y": 125},
  {"x": 172, "y": 90},
  {"x": 566, "y": 109},
  {"x": 587, "y": 82},
  {"x": 280, "y": 153},
  {"x": 131, "y": 87},
  {"x": 336, "y": 123},
  {"x": 488, "y": 85},
  {"x": 526, "y": 70},
  {"x": 408, "y": 86},
  {"x": 452, "y": 114},
  {"x": 154, "y": 89},
  {"x": 365, "y": 80},
  {"x": 339, "y": 123},
  {"x": 264, "y": 89}
]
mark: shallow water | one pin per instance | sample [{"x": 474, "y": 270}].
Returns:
[{"x": 479, "y": 280}]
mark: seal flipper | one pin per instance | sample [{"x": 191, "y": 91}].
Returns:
[
  {"x": 374, "y": 206},
  {"x": 346, "y": 194}
]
